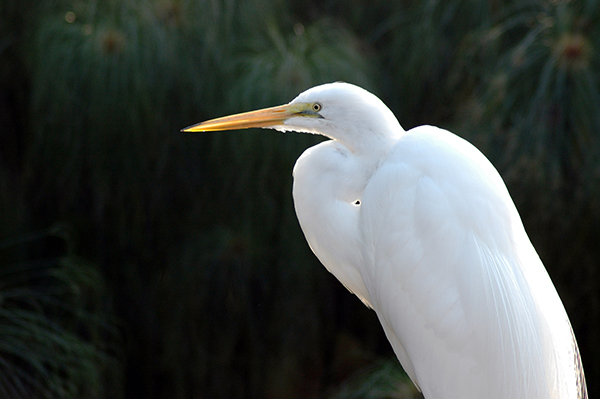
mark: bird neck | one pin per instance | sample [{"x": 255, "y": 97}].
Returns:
[
  {"x": 328, "y": 181},
  {"x": 370, "y": 150}
]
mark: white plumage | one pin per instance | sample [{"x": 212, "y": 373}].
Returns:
[{"x": 420, "y": 226}]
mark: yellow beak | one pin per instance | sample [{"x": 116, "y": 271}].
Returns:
[{"x": 267, "y": 117}]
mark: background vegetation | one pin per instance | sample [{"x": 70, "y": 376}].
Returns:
[{"x": 136, "y": 261}]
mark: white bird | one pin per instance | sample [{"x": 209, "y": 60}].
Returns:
[{"x": 420, "y": 226}]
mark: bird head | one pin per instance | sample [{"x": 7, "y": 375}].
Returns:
[{"x": 340, "y": 111}]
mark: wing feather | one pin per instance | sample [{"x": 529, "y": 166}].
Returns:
[{"x": 461, "y": 293}]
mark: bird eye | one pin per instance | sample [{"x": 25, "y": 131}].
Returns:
[{"x": 317, "y": 107}]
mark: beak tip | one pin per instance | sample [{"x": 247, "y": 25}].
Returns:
[{"x": 189, "y": 129}]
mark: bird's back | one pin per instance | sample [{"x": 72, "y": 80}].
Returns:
[{"x": 462, "y": 295}]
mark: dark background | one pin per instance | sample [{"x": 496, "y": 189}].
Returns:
[{"x": 139, "y": 262}]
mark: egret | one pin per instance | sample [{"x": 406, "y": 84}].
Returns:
[{"x": 420, "y": 226}]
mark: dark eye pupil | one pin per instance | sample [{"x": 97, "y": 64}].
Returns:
[{"x": 316, "y": 107}]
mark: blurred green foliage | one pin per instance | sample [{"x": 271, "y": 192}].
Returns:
[
  {"x": 185, "y": 273},
  {"x": 53, "y": 322}
]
